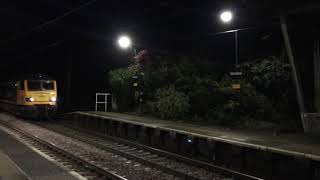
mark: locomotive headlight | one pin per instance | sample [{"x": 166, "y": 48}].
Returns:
[
  {"x": 53, "y": 99},
  {"x": 30, "y": 99}
]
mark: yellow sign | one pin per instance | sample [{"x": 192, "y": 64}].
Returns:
[{"x": 236, "y": 86}]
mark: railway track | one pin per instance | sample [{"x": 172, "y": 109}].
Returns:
[
  {"x": 78, "y": 164},
  {"x": 177, "y": 165}
]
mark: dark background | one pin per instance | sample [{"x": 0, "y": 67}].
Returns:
[{"x": 54, "y": 37}]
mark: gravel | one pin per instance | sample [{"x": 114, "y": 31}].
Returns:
[
  {"x": 161, "y": 160},
  {"x": 126, "y": 168},
  {"x": 119, "y": 165}
]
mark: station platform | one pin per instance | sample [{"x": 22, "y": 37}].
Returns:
[
  {"x": 20, "y": 162},
  {"x": 285, "y": 156},
  {"x": 291, "y": 143},
  {"x": 9, "y": 170}
]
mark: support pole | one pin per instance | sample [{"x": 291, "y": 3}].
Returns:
[
  {"x": 68, "y": 81},
  {"x": 236, "y": 47},
  {"x": 316, "y": 64},
  {"x": 294, "y": 73}
]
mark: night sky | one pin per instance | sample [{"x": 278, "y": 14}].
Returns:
[{"x": 54, "y": 37}]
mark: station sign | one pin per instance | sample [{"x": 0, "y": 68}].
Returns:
[
  {"x": 236, "y": 86},
  {"x": 236, "y": 73}
]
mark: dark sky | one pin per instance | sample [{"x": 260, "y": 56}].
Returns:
[{"x": 85, "y": 40}]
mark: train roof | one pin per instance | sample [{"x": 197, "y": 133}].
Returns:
[{"x": 34, "y": 77}]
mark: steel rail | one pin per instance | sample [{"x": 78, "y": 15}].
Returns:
[
  {"x": 214, "y": 168},
  {"x": 101, "y": 172},
  {"x": 126, "y": 155}
]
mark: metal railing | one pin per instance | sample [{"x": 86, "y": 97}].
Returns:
[{"x": 105, "y": 100}]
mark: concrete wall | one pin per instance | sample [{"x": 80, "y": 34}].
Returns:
[{"x": 256, "y": 160}]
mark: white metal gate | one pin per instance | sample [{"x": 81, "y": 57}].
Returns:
[{"x": 105, "y": 100}]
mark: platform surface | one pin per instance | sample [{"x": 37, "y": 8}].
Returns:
[
  {"x": 30, "y": 164},
  {"x": 292, "y": 143},
  {"x": 9, "y": 170}
]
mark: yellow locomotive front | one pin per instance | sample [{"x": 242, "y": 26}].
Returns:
[{"x": 37, "y": 97}]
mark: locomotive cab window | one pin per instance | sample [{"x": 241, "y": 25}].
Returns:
[
  {"x": 48, "y": 85},
  {"x": 34, "y": 85},
  {"x": 40, "y": 85}
]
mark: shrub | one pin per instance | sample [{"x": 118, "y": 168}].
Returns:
[
  {"x": 171, "y": 103},
  {"x": 122, "y": 86},
  {"x": 150, "y": 107},
  {"x": 203, "y": 96},
  {"x": 238, "y": 106}
]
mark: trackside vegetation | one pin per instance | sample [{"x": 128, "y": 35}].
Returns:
[{"x": 200, "y": 90}]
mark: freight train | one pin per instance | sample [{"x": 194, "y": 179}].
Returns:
[{"x": 33, "y": 95}]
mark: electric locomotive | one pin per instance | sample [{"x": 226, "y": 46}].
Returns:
[{"x": 33, "y": 95}]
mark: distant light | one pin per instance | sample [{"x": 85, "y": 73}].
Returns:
[
  {"x": 226, "y": 16},
  {"x": 124, "y": 42},
  {"x": 189, "y": 141}
]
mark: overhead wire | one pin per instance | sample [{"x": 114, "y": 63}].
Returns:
[
  {"x": 62, "y": 16},
  {"x": 55, "y": 19}
]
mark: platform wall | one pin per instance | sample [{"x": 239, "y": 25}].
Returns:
[{"x": 257, "y": 160}]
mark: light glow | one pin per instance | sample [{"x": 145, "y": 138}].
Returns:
[
  {"x": 31, "y": 99},
  {"x": 53, "y": 99},
  {"x": 226, "y": 16},
  {"x": 124, "y": 42}
]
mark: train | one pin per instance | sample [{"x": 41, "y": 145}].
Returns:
[{"x": 31, "y": 95}]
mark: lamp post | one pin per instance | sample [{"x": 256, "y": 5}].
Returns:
[
  {"x": 124, "y": 42},
  {"x": 226, "y": 17}
]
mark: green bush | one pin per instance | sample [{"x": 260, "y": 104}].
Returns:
[
  {"x": 235, "y": 107},
  {"x": 179, "y": 87},
  {"x": 150, "y": 107},
  {"x": 121, "y": 82},
  {"x": 271, "y": 77},
  {"x": 171, "y": 103},
  {"x": 203, "y": 96}
]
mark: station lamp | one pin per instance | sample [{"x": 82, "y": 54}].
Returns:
[
  {"x": 226, "y": 16},
  {"x": 124, "y": 42}
]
